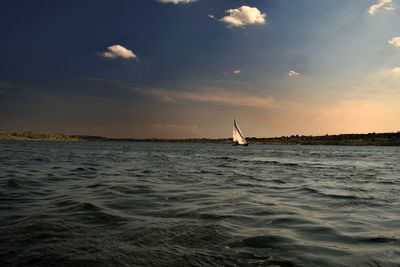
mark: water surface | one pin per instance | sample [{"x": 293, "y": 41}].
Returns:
[{"x": 163, "y": 204}]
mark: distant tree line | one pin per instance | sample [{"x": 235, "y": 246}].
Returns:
[
  {"x": 373, "y": 139},
  {"x": 28, "y": 135},
  {"x": 391, "y": 139}
]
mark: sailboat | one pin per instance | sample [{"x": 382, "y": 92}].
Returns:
[{"x": 238, "y": 137}]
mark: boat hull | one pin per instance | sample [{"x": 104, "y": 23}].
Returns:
[{"x": 237, "y": 144}]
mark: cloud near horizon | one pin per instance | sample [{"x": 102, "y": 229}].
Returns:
[
  {"x": 243, "y": 16},
  {"x": 396, "y": 71},
  {"x": 293, "y": 73},
  {"x": 116, "y": 51},
  {"x": 385, "y": 5},
  {"x": 226, "y": 98},
  {"x": 176, "y": 2},
  {"x": 395, "y": 41},
  {"x": 171, "y": 130}
]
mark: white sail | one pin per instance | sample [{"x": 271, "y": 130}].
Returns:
[
  {"x": 234, "y": 133},
  {"x": 238, "y": 136}
]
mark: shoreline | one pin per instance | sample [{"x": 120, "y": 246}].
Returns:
[{"x": 370, "y": 139}]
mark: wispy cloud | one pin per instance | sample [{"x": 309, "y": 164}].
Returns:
[
  {"x": 116, "y": 51},
  {"x": 5, "y": 85},
  {"x": 177, "y": 1},
  {"x": 211, "y": 16},
  {"x": 174, "y": 130},
  {"x": 396, "y": 71},
  {"x": 293, "y": 73},
  {"x": 244, "y": 15},
  {"x": 216, "y": 96},
  {"x": 20, "y": 88},
  {"x": 382, "y": 5},
  {"x": 226, "y": 98},
  {"x": 237, "y": 71},
  {"x": 395, "y": 41}
]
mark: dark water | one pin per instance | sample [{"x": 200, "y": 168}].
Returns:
[{"x": 152, "y": 204}]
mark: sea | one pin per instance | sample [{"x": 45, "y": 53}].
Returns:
[{"x": 192, "y": 204}]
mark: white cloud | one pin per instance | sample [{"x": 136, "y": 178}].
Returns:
[
  {"x": 395, "y": 41},
  {"x": 211, "y": 16},
  {"x": 293, "y": 73},
  {"x": 116, "y": 51},
  {"x": 385, "y": 5},
  {"x": 237, "y": 71},
  {"x": 177, "y": 1},
  {"x": 242, "y": 16},
  {"x": 396, "y": 71}
]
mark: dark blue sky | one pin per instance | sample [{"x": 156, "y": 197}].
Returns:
[{"x": 193, "y": 73}]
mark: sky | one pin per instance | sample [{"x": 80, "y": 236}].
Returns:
[{"x": 186, "y": 68}]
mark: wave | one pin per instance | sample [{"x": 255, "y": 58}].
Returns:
[
  {"x": 23, "y": 183},
  {"x": 379, "y": 240},
  {"x": 271, "y": 162},
  {"x": 316, "y": 192},
  {"x": 87, "y": 212},
  {"x": 263, "y": 241}
]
